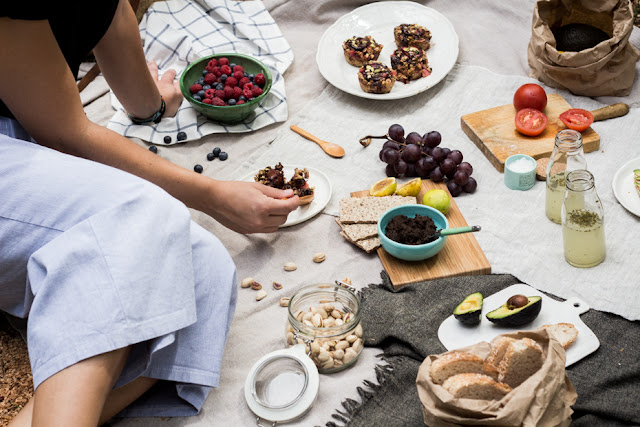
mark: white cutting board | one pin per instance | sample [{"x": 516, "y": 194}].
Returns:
[{"x": 454, "y": 334}]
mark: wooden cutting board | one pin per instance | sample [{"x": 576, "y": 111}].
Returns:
[
  {"x": 494, "y": 132},
  {"x": 460, "y": 256}
]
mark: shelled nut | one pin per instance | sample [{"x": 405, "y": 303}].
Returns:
[
  {"x": 261, "y": 295},
  {"x": 290, "y": 266},
  {"x": 256, "y": 286},
  {"x": 246, "y": 282},
  {"x": 319, "y": 257},
  {"x": 284, "y": 301},
  {"x": 277, "y": 286}
]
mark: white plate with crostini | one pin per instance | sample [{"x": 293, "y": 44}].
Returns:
[
  {"x": 454, "y": 334},
  {"x": 624, "y": 187},
  {"x": 378, "y": 20},
  {"x": 321, "y": 191}
]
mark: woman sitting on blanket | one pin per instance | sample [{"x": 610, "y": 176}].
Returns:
[{"x": 124, "y": 294}]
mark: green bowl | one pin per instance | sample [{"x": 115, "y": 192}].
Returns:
[
  {"x": 228, "y": 114},
  {"x": 412, "y": 252}
]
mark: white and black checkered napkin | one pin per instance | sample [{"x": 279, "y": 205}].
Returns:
[{"x": 178, "y": 32}]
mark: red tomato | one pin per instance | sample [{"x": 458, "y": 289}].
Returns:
[
  {"x": 530, "y": 96},
  {"x": 530, "y": 121},
  {"x": 577, "y": 119}
]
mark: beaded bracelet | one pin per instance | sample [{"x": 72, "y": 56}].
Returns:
[{"x": 155, "y": 118}]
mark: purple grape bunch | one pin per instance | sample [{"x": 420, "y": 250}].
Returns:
[{"x": 416, "y": 155}]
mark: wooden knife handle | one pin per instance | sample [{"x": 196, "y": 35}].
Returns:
[{"x": 610, "y": 111}]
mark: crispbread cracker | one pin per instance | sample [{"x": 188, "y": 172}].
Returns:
[
  {"x": 369, "y": 245},
  {"x": 367, "y": 210},
  {"x": 356, "y": 232}
]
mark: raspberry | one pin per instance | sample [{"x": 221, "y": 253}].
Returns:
[
  {"x": 259, "y": 79},
  {"x": 209, "y": 68},
  {"x": 238, "y": 68},
  {"x": 217, "y": 101},
  {"x": 223, "y": 61},
  {"x": 256, "y": 92},
  {"x": 210, "y": 78},
  {"x": 219, "y": 94},
  {"x": 225, "y": 69},
  {"x": 231, "y": 81},
  {"x": 248, "y": 86},
  {"x": 238, "y": 74},
  {"x": 237, "y": 92},
  {"x": 213, "y": 62},
  {"x": 240, "y": 102},
  {"x": 195, "y": 88},
  {"x": 209, "y": 93},
  {"x": 206, "y": 101},
  {"x": 248, "y": 93},
  {"x": 228, "y": 92},
  {"x": 243, "y": 81}
]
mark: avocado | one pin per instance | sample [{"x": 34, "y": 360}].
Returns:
[
  {"x": 577, "y": 37},
  {"x": 469, "y": 311},
  {"x": 517, "y": 311}
]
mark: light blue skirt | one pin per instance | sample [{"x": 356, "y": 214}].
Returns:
[{"x": 98, "y": 259}]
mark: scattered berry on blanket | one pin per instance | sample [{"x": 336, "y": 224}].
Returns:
[
  {"x": 223, "y": 61},
  {"x": 210, "y": 156},
  {"x": 231, "y": 81},
  {"x": 223, "y": 156},
  {"x": 195, "y": 88},
  {"x": 225, "y": 70},
  {"x": 216, "y": 151},
  {"x": 167, "y": 139},
  {"x": 198, "y": 168},
  {"x": 217, "y": 101},
  {"x": 259, "y": 79},
  {"x": 153, "y": 149},
  {"x": 210, "y": 78},
  {"x": 181, "y": 136}
]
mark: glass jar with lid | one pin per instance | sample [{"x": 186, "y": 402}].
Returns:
[
  {"x": 326, "y": 319},
  {"x": 582, "y": 221},
  {"x": 567, "y": 155}
]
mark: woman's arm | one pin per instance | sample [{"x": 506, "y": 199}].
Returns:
[{"x": 39, "y": 89}]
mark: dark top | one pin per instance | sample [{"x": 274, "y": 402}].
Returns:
[{"x": 78, "y": 25}]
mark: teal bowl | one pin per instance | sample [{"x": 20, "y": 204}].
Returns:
[
  {"x": 412, "y": 252},
  {"x": 228, "y": 114}
]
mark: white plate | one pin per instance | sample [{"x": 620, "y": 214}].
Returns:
[
  {"x": 624, "y": 189},
  {"x": 454, "y": 334},
  {"x": 378, "y": 20},
  {"x": 322, "y": 194}
]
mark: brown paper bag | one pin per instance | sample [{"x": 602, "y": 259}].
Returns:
[
  {"x": 607, "y": 69},
  {"x": 544, "y": 399}
]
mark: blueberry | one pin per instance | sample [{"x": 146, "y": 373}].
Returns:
[
  {"x": 210, "y": 156},
  {"x": 223, "y": 156},
  {"x": 153, "y": 149},
  {"x": 246, "y": 74},
  {"x": 181, "y": 136},
  {"x": 205, "y": 87},
  {"x": 242, "y": 98},
  {"x": 205, "y": 72},
  {"x": 198, "y": 168},
  {"x": 231, "y": 101},
  {"x": 200, "y": 81},
  {"x": 223, "y": 77},
  {"x": 167, "y": 139},
  {"x": 251, "y": 76},
  {"x": 220, "y": 86},
  {"x": 216, "y": 151},
  {"x": 197, "y": 98},
  {"x": 232, "y": 65},
  {"x": 201, "y": 93}
]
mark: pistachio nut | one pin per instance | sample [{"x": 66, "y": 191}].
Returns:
[
  {"x": 316, "y": 320},
  {"x": 328, "y": 364},
  {"x": 261, "y": 295},
  {"x": 337, "y": 362},
  {"x": 246, "y": 282},
  {"x": 284, "y": 301},
  {"x": 351, "y": 339},
  {"x": 319, "y": 257},
  {"x": 256, "y": 286},
  {"x": 349, "y": 355},
  {"x": 277, "y": 286},
  {"x": 342, "y": 345},
  {"x": 358, "y": 331},
  {"x": 357, "y": 345},
  {"x": 336, "y": 314},
  {"x": 324, "y": 356},
  {"x": 290, "y": 266},
  {"x": 338, "y": 354},
  {"x": 328, "y": 307},
  {"x": 315, "y": 348}
]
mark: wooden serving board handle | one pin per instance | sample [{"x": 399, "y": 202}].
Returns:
[{"x": 610, "y": 111}]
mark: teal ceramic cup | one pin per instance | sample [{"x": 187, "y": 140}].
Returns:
[{"x": 520, "y": 172}]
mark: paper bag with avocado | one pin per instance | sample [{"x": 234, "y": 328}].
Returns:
[
  {"x": 583, "y": 46},
  {"x": 518, "y": 379}
]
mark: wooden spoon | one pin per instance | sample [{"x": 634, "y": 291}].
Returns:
[
  {"x": 334, "y": 150},
  {"x": 604, "y": 113}
]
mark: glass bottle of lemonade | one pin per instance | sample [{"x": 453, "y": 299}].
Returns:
[
  {"x": 582, "y": 221},
  {"x": 567, "y": 155}
]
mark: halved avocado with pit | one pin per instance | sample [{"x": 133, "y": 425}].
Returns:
[
  {"x": 469, "y": 311},
  {"x": 517, "y": 311}
]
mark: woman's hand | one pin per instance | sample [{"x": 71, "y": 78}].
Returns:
[
  {"x": 168, "y": 88},
  {"x": 250, "y": 207}
]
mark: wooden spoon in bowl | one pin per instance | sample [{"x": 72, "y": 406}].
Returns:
[{"x": 334, "y": 150}]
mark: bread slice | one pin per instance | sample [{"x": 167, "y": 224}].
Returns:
[
  {"x": 498, "y": 348},
  {"x": 459, "y": 363},
  {"x": 522, "y": 359},
  {"x": 475, "y": 386},
  {"x": 566, "y": 333}
]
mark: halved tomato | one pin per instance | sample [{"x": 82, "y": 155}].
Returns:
[
  {"x": 530, "y": 121},
  {"x": 577, "y": 119}
]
